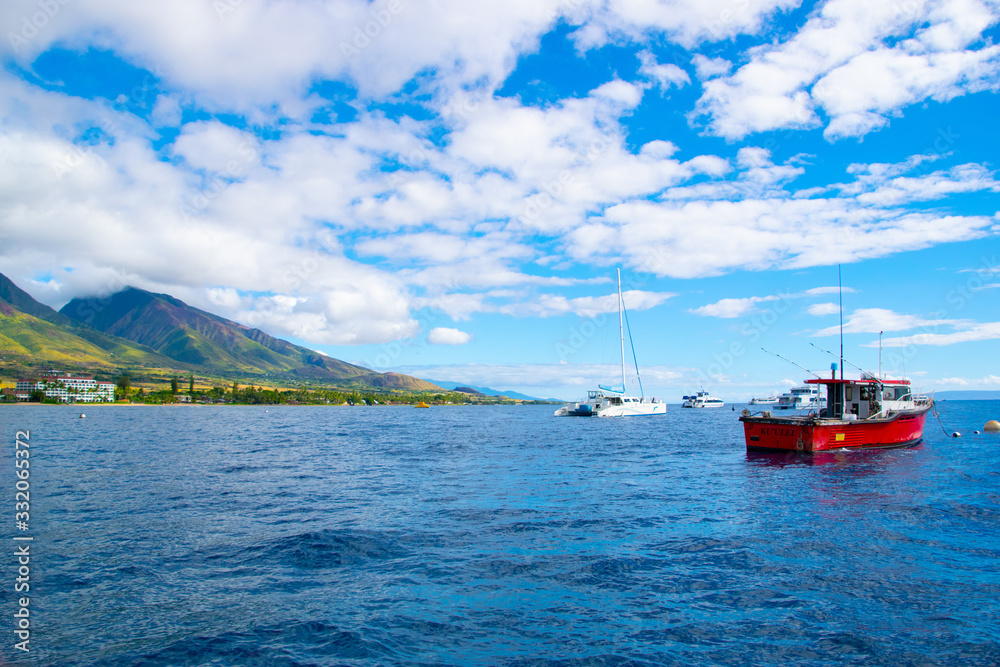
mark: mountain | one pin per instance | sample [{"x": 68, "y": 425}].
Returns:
[
  {"x": 22, "y": 301},
  {"x": 36, "y": 332},
  {"x": 191, "y": 336},
  {"x": 136, "y": 329}
]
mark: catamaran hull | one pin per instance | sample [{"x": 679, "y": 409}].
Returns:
[
  {"x": 902, "y": 429},
  {"x": 636, "y": 410},
  {"x": 575, "y": 411}
]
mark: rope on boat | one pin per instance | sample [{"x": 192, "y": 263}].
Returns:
[{"x": 953, "y": 434}]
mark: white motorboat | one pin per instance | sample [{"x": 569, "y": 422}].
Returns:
[
  {"x": 614, "y": 401},
  {"x": 702, "y": 400},
  {"x": 770, "y": 400},
  {"x": 801, "y": 398}
]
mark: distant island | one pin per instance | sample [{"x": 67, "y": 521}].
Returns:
[
  {"x": 487, "y": 391},
  {"x": 967, "y": 395}
]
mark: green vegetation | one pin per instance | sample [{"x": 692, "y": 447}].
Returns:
[{"x": 252, "y": 395}]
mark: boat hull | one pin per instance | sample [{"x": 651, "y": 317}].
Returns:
[
  {"x": 902, "y": 429},
  {"x": 634, "y": 410},
  {"x": 637, "y": 409}
]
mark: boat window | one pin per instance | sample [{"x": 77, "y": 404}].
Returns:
[
  {"x": 849, "y": 393},
  {"x": 865, "y": 394},
  {"x": 902, "y": 392}
]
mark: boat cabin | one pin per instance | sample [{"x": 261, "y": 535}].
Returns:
[
  {"x": 611, "y": 399},
  {"x": 863, "y": 398}
]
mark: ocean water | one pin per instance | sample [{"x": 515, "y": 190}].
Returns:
[{"x": 496, "y": 536}]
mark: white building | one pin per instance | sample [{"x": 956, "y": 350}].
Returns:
[{"x": 67, "y": 388}]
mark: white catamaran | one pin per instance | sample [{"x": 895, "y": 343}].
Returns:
[{"x": 613, "y": 401}]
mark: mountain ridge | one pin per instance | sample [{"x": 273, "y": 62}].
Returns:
[{"x": 134, "y": 328}]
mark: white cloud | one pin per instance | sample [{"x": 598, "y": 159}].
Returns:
[
  {"x": 738, "y": 307},
  {"x": 873, "y": 320},
  {"x": 216, "y": 147},
  {"x": 820, "y": 309},
  {"x": 549, "y": 305},
  {"x": 664, "y": 75},
  {"x": 831, "y": 289},
  {"x": 966, "y": 334},
  {"x": 227, "y": 298},
  {"x": 699, "y": 238},
  {"x": 976, "y": 383},
  {"x": 709, "y": 68},
  {"x": 862, "y": 94},
  {"x": 300, "y": 229},
  {"x": 852, "y": 62},
  {"x": 214, "y": 50},
  {"x": 167, "y": 111},
  {"x": 446, "y": 336},
  {"x": 620, "y": 93},
  {"x": 730, "y": 308},
  {"x": 884, "y": 185},
  {"x": 687, "y": 22}
]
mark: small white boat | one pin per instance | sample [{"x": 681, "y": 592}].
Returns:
[
  {"x": 614, "y": 401},
  {"x": 702, "y": 400},
  {"x": 801, "y": 398},
  {"x": 770, "y": 400}
]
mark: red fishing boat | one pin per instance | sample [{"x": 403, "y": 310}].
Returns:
[{"x": 867, "y": 412}]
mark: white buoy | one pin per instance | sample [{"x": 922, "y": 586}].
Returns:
[
  {"x": 956, "y": 434},
  {"x": 83, "y": 416}
]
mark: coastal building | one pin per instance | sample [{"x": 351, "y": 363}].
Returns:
[{"x": 67, "y": 388}]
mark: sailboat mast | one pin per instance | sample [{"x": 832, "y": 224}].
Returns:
[{"x": 621, "y": 326}]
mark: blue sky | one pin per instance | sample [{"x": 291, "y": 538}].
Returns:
[{"x": 446, "y": 189}]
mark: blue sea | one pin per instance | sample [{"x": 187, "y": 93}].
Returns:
[{"x": 294, "y": 536}]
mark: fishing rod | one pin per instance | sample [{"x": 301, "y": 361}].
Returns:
[
  {"x": 845, "y": 361},
  {"x": 792, "y": 363}
]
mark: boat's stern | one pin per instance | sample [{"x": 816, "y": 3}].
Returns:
[
  {"x": 772, "y": 434},
  {"x": 576, "y": 410}
]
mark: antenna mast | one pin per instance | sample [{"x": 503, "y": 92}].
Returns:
[
  {"x": 879, "y": 355},
  {"x": 840, "y": 288}
]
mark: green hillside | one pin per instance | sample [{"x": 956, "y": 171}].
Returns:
[
  {"x": 27, "y": 336},
  {"x": 192, "y": 336},
  {"x": 118, "y": 350},
  {"x": 153, "y": 337}
]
